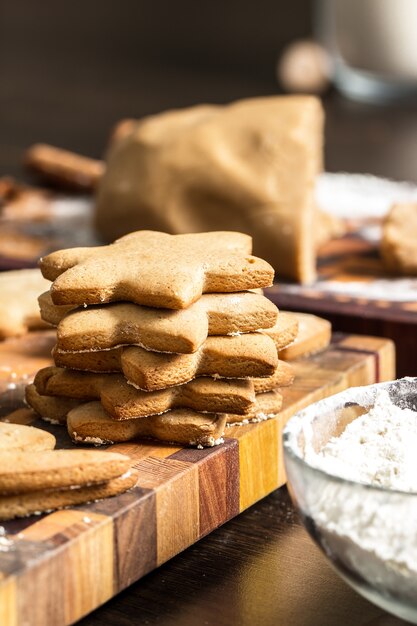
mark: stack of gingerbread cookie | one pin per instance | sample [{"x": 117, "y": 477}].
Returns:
[
  {"x": 161, "y": 336},
  {"x": 34, "y": 477}
]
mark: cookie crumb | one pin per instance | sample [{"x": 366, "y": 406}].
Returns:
[
  {"x": 261, "y": 417},
  {"x": 244, "y": 422},
  {"x": 96, "y": 441},
  {"x": 215, "y": 442},
  {"x": 50, "y": 420},
  {"x": 6, "y": 544}
]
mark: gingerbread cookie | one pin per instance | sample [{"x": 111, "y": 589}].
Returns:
[
  {"x": 399, "y": 239},
  {"x": 284, "y": 331},
  {"x": 64, "y": 168},
  {"x": 50, "y": 408},
  {"x": 63, "y": 382},
  {"x": 19, "y": 310},
  {"x": 161, "y": 330},
  {"x": 282, "y": 377},
  {"x": 22, "y": 472},
  {"x": 314, "y": 334},
  {"x": 24, "y": 504},
  {"x": 156, "y": 269},
  {"x": 21, "y": 438},
  {"x": 123, "y": 401},
  {"x": 239, "y": 356},
  {"x": 89, "y": 423},
  {"x": 50, "y": 312}
]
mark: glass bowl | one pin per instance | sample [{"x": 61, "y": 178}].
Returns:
[{"x": 369, "y": 533}]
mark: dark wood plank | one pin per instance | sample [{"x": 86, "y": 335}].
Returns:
[
  {"x": 134, "y": 522},
  {"x": 218, "y": 480}
]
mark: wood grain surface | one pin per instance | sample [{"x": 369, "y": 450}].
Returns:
[{"x": 85, "y": 555}]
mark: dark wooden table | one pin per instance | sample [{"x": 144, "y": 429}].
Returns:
[{"x": 261, "y": 568}]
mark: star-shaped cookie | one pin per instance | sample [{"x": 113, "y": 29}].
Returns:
[
  {"x": 162, "y": 330},
  {"x": 239, "y": 356},
  {"x": 156, "y": 269},
  {"x": 18, "y": 307},
  {"x": 90, "y": 422},
  {"x": 123, "y": 401}
]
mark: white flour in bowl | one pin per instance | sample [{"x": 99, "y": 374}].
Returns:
[
  {"x": 377, "y": 448},
  {"x": 373, "y": 532}
]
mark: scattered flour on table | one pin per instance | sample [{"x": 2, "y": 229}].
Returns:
[{"x": 372, "y": 531}]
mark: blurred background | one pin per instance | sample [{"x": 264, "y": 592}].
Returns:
[{"x": 69, "y": 71}]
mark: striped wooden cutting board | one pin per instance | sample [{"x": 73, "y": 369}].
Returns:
[{"x": 62, "y": 565}]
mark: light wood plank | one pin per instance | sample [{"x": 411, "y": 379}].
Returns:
[
  {"x": 89, "y": 571},
  {"x": 258, "y": 460},
  {"x": 8, "y": 601}
]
